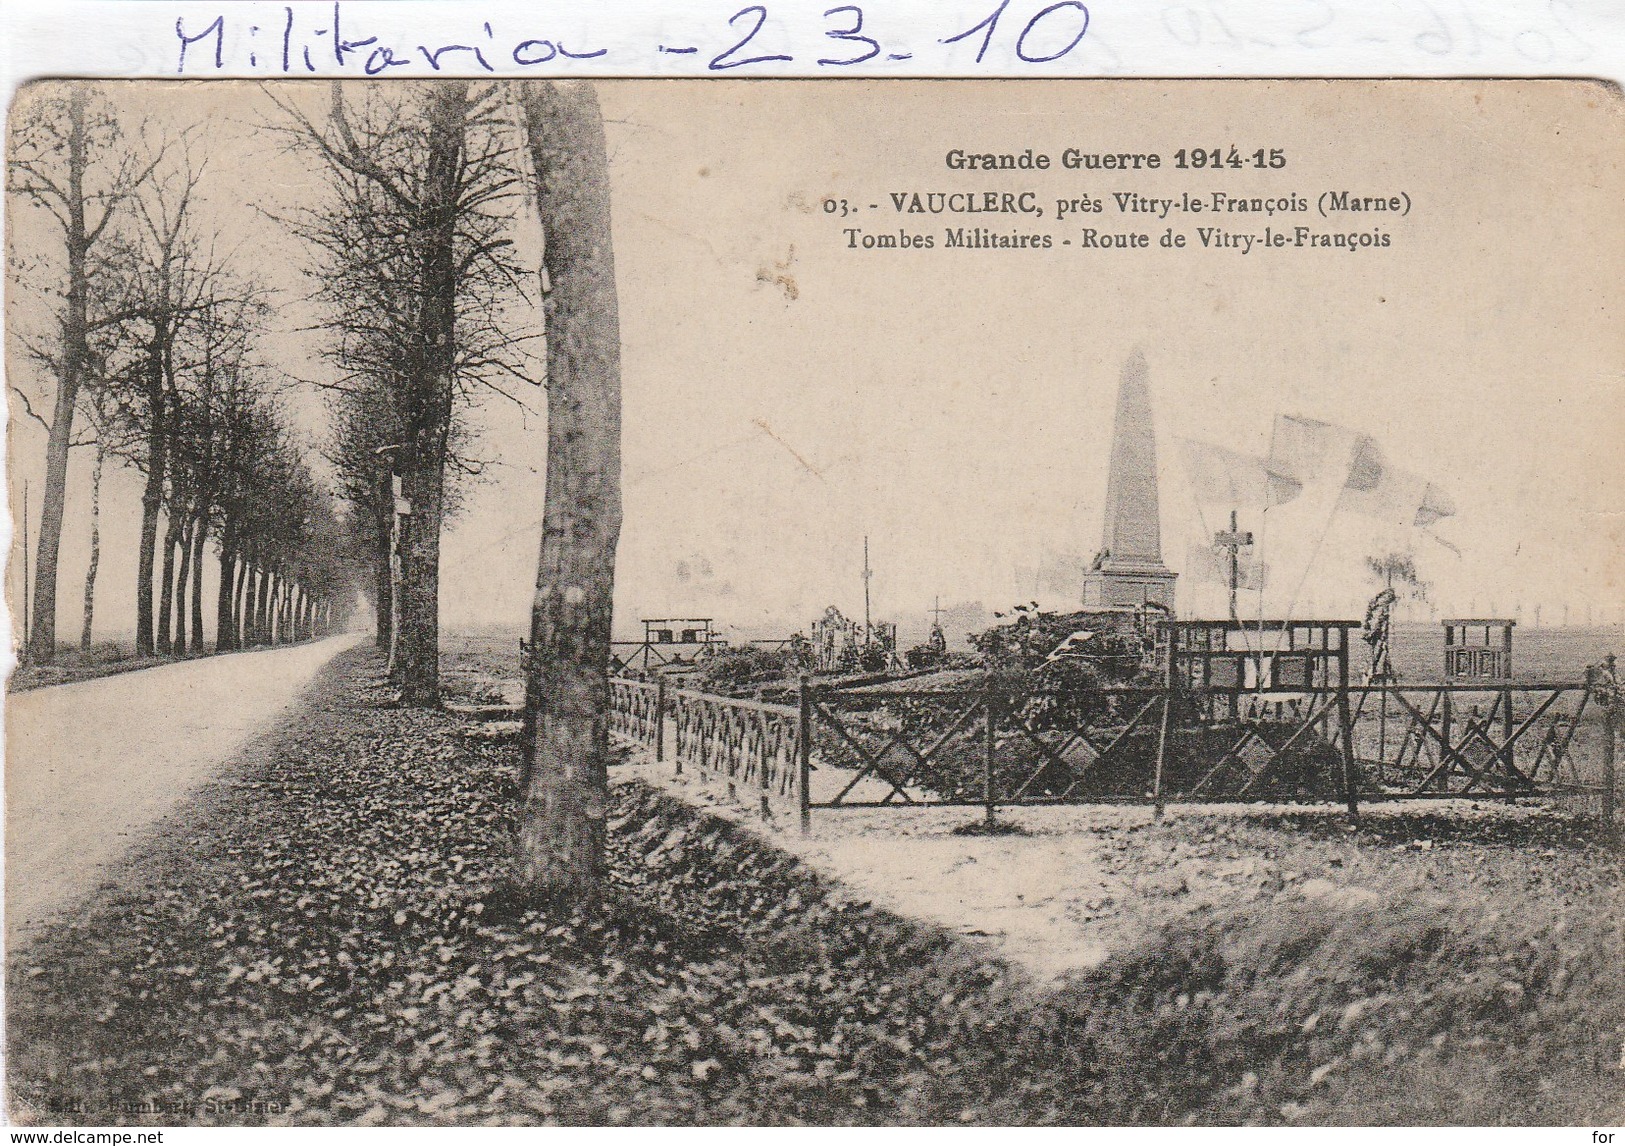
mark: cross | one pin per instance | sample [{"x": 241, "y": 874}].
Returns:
[
  {"x": 1233, "y": 541},
  {"x": 868, "y": 629}
]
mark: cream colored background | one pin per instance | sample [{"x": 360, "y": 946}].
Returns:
[{"x": 955, "y": 405}]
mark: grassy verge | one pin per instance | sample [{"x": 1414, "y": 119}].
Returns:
[
  {"x": 315, "y": 940},
  {"x": 73, "y": 664}
]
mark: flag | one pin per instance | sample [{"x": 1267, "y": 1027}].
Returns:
[
  {"x": 1378, "y": 489},
  {"x": 1304, "y": 450},
  {"x": 1233, "y": 480},
  {"x": 1436, "y": 505}
]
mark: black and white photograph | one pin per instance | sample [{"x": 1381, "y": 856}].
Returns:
[{"x": 919, "y": 602}]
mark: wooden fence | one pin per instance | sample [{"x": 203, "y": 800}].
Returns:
[
  {"x": 744, "y": 744},
  {"x": 993, "y": 746}
]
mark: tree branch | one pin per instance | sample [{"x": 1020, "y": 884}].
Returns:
[{"x": 29, "y": 409}]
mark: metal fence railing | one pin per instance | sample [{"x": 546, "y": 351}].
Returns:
[
  {"x": 744, "y": 744},
  {"x": 995, "y": 745}
]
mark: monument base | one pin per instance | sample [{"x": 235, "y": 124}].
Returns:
[{"x": 1129, "y": 584}]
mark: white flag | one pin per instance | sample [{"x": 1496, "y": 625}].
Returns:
[
  {"x": 1233, "y": 480},
  {"x": 1379, "y": 489}
]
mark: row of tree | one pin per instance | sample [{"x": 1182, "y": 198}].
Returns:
[
  {"x": 142, "y": 328},
  {"x": 431, "y": 190},
  {"x": 430, "y": 193},
  {"x": 426, "y": 309}
]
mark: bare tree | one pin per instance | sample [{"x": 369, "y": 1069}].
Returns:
[
  {"x": 363, "y": 426},
  {"x": 110, "y": 441},
  {"x": 566, "y": 729},
  {"x": 168, "y": 282},
  {"x": 68, "y": 159},
  {"x": 416, "y": 277},
  {"x": 178, "y": 298}
]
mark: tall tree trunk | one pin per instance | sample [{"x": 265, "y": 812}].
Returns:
[
  {"x": 183, "y": 586},
  {"x": 239, "y": 611},
  {"x": 417, "y": 658},
  {"x": 397, "y": 538},
  {"x": 417, "y": 646},
  {"x": 200, "y": 534},
  {"x": 565, "y": 739},
  {"x": 251, "y": 606},
  {"x": 225, "y": 594},
  {"x": 262, "y": 603},
  {"x": 383, "y": 570},
  {"x": 166, "y": 582},
  {"x": 75, "y": 357},
  {"x": 262, "y": 608},
  {"x": 152, "y": 498},
  {"x": 237, "y": 600},
  {"x": 95, "y": 546}
]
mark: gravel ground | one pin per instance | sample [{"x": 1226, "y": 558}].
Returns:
[
  {"x": 1072, "y": 885},
  {"x": 319, "y": 938}
]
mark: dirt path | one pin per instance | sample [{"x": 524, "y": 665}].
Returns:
[
  {"x": 89, "y": 765},
  {"x": 1085, "y": 881}
]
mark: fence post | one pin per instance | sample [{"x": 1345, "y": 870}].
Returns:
[
  {"x": 1169, "y": 670},
  {"x": 1610, "y": 721},
  {"x": 764, "y": 772},
  {"x": 990, "y": 714},
  {"x": 660, "y": 723},
  {"x": 1157, "y": 801},
  {"x": 1444, "y": 739},
  {"x": 1345, "y": 723},
  {"x": 804, "y": 753}
]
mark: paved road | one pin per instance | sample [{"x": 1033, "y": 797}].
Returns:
[{"x": 89, "y": 765}]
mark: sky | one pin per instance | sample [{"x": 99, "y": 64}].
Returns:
[{"x": 786, "y": 395}]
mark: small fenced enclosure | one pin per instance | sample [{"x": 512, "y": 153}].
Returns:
[
  {"x": 667, "y": 641},
  {"x": 1224, "y": 724},
  {"x": 749, "y": 746}
]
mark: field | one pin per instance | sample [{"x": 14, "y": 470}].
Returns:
[{"x": 1537, "y": 654}]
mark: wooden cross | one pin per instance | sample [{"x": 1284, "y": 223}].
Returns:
[{"x": 1234, "y": 541}]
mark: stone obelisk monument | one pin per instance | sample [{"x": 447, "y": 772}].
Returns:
[{"x": 1128, "y": 572}]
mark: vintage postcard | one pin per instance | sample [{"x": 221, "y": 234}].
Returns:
[{"x": 775, "y": 602}]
